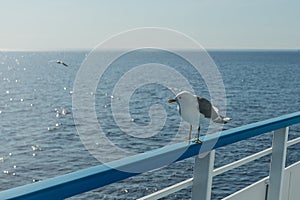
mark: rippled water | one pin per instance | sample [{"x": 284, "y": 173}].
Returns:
[{"x": 39, "y": 138}]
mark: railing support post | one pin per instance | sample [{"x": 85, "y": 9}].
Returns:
[
  {"x": 278, "y": 158},
  {"x": 202, "y": 182}
]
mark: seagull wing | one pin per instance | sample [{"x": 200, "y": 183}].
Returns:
[
  {"x": 206, "y": 108},
  {"x": 65, "y": 64},
  {"x": 209, "y": 111},
  {"x": 216, "y": 109}
]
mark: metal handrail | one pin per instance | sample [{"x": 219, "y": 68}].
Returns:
[
  {"x": 91, "y": 178},
  {"x": 189, "y": 182},
  {"x": 250, "y": 158}
]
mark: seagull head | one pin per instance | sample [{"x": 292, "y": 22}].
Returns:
[{"x": 181, "y": 96}]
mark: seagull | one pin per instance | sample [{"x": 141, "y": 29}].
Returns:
[
  {"x": 62, "y": 63},
  {"x": 192, "y": 108},
  {"x": 59, "y": 62}
]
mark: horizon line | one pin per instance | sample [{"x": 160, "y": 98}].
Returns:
[{"x": 183, "y": 49}]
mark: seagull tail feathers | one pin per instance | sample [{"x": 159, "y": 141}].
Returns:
[
  {"x": 226, "y": 119},
  {"x": 222, "y": 120}
]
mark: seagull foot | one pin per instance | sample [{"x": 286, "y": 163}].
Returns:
[{"x": 197, "y": 141}]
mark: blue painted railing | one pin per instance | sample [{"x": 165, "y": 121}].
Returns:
[{"x": 91, "y": 178}]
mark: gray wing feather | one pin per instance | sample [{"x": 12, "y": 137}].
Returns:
[{"x": 206, "y": 108}]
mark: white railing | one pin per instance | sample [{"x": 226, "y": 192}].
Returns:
[{"x": 201, "y": 188}]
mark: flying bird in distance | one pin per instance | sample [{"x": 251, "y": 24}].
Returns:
[
  {"x": 62, "y": 63},
  {"x": 59, "y": 62}
]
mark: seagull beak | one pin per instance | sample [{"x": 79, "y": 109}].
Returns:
[{"x": 172, "y": 100}]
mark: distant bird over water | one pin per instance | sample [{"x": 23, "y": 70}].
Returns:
[
  {"x": 192, "y": 108},
  {"x": 62, "y": 63},
  {"x": 59, "y": 62}
]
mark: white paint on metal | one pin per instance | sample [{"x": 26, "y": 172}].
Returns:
[
  {"x": 291, "y": 192},
  {"x": 291, "y": 182},
  {"x": 169, "y": 190},
  {"x": 255, "y": 191},
  {"x": 293, "y": 142},
  {"x": 241, "y": 162},
  {"x": 202, "y": 182},
  {"x": 278, "y": 158}
]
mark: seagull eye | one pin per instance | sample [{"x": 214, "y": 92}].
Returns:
[{"x": 179, "y": 97}]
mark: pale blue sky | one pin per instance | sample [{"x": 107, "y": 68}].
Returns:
[{"x": 216, "y": 24}]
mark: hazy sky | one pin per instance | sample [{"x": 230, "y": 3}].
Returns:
[{"x": 217, "y": 24}]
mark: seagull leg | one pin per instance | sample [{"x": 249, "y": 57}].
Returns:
[
  {"x": 198, "y": 137},
  {"x": 190, "y": 134}
]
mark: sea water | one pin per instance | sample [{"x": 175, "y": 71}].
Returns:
[{"x": 39, "y": 139}]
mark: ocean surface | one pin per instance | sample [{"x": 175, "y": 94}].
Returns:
[{"x": 39, "y": 137}]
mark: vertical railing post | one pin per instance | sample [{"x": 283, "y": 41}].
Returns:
[
  {"x": 202, "y": 181},
  {"x": 278, "y": 158}
]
